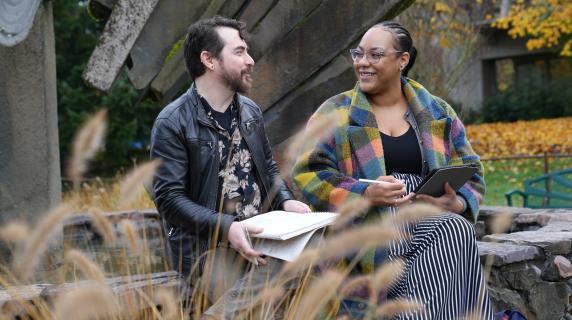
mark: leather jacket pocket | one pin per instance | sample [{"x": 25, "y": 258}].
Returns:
[
  {"x": 202, "y": 154},
  {"x": 252, "y": 125}
]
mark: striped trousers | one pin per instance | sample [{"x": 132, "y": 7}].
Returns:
[{"x": 442, "y": 267}]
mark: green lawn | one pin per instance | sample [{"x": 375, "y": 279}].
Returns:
[{"x": 504, "y": 175}]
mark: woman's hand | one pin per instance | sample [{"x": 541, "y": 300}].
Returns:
[
  {"x": 388, "y": 192},
  {"x": 448, "y": 201},
  {"x": 295, "y": 206}
]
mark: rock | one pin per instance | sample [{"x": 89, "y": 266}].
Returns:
[
  {"x": 557, "y": 211},
  {"x": 548, "y": 300},
  {"x": 480, "y": 230},
  {"x": 556, "y": 225},
  {"x": 521, "y": 276},
  {"x": 564, "y": 267},
  {"x": 17, "y": 301},
  {"x": 505, "y": 253},
  {"x": 566, "y": 317},
  {"x": 518, "y": 277},
  {"x": 551, "y": 242},
  {"x": 80, "y": 233},
  {"x": 487, "y": 211},
  {"x": 535, "y": 219},
  {"x": 556, "y": 268},
  {"x": 503, "y": 299},
  {"x": 550, "y": 271}
]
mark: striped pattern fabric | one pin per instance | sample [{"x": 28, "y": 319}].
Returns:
[
  {"x": 328, "y": 174},
  {"x": 442, "y": 267}
]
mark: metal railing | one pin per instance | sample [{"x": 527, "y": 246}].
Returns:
[{"x": 546, "y": 156}]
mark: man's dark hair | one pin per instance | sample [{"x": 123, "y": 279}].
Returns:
[{"x": 203, "y": 36}]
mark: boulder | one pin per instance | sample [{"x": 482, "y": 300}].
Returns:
[
  {"x": 506, "y": 253},
  {"x": 506, "y": 299},
  {"x": 520, "y": 276},
  {"x": 548, "y": 300},
  {"x": 556, "y": 269},
  {"x": 551, "y": 242}
]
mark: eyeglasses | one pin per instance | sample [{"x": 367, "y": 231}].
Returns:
[{"x": 373, "y": 57}]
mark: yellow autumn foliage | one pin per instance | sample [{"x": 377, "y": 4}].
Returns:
[
  {"x": 521, "y": 137},
  {"x": 546, "y": 22}
]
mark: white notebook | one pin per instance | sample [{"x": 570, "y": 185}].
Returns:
[
  {"x": 287, "y": 250},
  {"x": 283, "y": 225}
]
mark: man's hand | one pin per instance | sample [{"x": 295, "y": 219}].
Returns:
[
  {"x": 389, "y": 192},
  {"x": 295, "y": 206},
  {"x": 448, "y": 201},
  {"x": 239, "y": 242}
]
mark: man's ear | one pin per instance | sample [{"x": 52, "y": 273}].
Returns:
[{"x": 207, "y": 59}]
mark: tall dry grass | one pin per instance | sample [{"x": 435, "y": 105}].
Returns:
[
  {"x": 300, "y": 290},
  {"x": 92, "y": 292}
]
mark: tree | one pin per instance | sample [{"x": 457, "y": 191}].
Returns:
[
  {"x": 548, "y": 23},
  {"x": 446, "y": 37},
  {"x": 129, "y": 120}
]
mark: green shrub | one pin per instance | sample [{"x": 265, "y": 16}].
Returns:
[{"x": 530, "y": 99}]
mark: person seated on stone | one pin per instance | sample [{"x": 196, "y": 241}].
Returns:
[
  {"x": 216, "y": 170},
  {"x": 394, "y": 130}
]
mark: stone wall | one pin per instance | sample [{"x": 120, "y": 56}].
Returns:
[
  {"x": 529, "y": 267},
  {"x": 300, "y": 49},
  {"x": 120, "y": 258}
]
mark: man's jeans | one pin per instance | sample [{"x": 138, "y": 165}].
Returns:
[{"x": 235, "y": 292}]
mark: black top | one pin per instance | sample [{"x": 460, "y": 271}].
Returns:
[
  {"x": 402, "y": 154},
  {"x": 224, "y": 119}
]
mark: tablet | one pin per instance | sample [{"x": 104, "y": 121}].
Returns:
[{"x": 456, "y": 176}]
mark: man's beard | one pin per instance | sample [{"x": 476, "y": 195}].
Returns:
[{"x": 236, "y": 82}]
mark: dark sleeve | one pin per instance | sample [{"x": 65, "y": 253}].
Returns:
[
  {"x": 279, "y": 191},
  {"x": 170, "y": 185}
]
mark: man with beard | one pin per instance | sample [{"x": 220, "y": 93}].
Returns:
[{"x": 216, "y": 167}]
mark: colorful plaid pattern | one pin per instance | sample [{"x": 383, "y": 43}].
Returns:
[{"x": 328, "y": 174}]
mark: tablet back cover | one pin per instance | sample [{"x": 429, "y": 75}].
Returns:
[{"x": 455, "y": 175}]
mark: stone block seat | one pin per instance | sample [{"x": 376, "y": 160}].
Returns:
[{"x": 528, "y": 269}]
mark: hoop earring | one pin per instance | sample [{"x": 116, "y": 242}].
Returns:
[{"x": 401, "y": 67}]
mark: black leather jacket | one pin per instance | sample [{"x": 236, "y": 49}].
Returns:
[{"x": 186, "y": 183}]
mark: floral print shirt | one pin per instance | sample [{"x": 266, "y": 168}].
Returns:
[{"x": 237, "y": 174}]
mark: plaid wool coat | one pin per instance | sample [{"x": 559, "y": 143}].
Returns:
[{"x": 328, "y": 173}]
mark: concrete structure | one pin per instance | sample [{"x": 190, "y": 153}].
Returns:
[
  {"x": 300, "y": 49},
  {"x": 481, "y": 73},
  {"x": 29, "y": 148},
  {"x": 480, "y": 77},
  {"x": 124, "y": 27}
]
